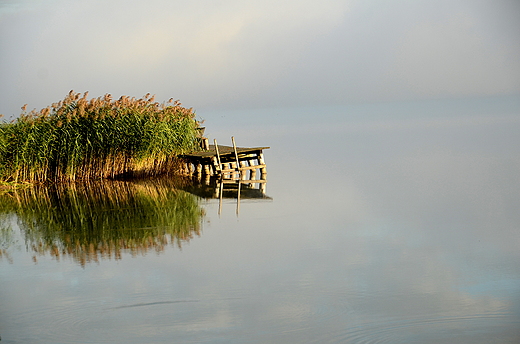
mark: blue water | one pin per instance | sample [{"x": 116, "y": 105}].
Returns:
[{"x": 387, "y": 223}]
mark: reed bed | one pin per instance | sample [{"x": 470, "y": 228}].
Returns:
[{"x": 81, "y": 139}]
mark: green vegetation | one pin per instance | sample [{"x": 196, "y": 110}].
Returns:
[
  {"x": 101, "y": 219},
  {"x": 80, "y": 139}
]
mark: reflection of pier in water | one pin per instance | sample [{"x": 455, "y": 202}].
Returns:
[
  {"x": 231, "y": 188},
  {"x": 227, "y": 172}
]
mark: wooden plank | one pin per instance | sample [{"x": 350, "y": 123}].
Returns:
[
  {"x": 243, "y": 181},
  {"x": 254, "y": 167},
  {"x": 223, "y": 150},
  {"x": 246, "y": 168}
]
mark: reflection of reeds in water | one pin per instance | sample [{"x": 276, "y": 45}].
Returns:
[
  {"x": 104, "y": 219},
  {"x": 6, "y": 236}
]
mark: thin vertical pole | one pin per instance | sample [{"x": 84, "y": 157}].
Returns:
[
  {"x": 235, "y": 149},
  {"x": 218, "y": 155}
]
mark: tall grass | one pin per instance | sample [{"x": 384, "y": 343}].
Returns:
[{"x": 78, "y": 138}]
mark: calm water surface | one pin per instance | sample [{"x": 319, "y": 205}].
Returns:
[{"x": 389, "y": 223}]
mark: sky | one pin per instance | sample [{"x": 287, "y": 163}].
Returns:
[{"x": 236, "y": 54}]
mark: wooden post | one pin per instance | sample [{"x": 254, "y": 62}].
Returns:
[
  {"x": 225, "y": 166},
  {"x": 233, "y": 166},
  {"x": 243, "y": 171},
  {"x": 216, "y": 165},
  {"x": 205, "y": 143},
  {"x": 253, "y": 170},
  {"x": 218, "y": 155},
  {"x": 236, "y": 157},
  {"x": 263, "y": 170},
  {"x": 235, "y": 149}
]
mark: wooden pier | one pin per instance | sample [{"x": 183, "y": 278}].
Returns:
[
  {"x": 228, "y": 161},
  {"x": 229, "y": 171}
]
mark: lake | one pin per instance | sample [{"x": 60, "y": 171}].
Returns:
[{"x": 381, "y": 223}]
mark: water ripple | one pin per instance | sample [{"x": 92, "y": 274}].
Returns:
[{"x": 152, "y": 304}]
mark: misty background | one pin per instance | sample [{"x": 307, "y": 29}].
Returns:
[{"x": 232, "y": 55}]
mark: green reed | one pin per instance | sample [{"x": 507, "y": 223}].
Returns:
[
  {"x": 102, "y": 219},
  {"x": 78, "y": 138}
]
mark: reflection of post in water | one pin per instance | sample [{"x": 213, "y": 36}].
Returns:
[
  {"x": 239, "y": 186},
  {"x": 102, "y": 220}
]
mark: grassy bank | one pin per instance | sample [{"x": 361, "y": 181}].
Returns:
[{"x": 78, "y": 138}]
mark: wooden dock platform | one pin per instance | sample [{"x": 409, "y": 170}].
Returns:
[
  {"x": 231, "y": 169},
  {"x": 226, "y": 160}
]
